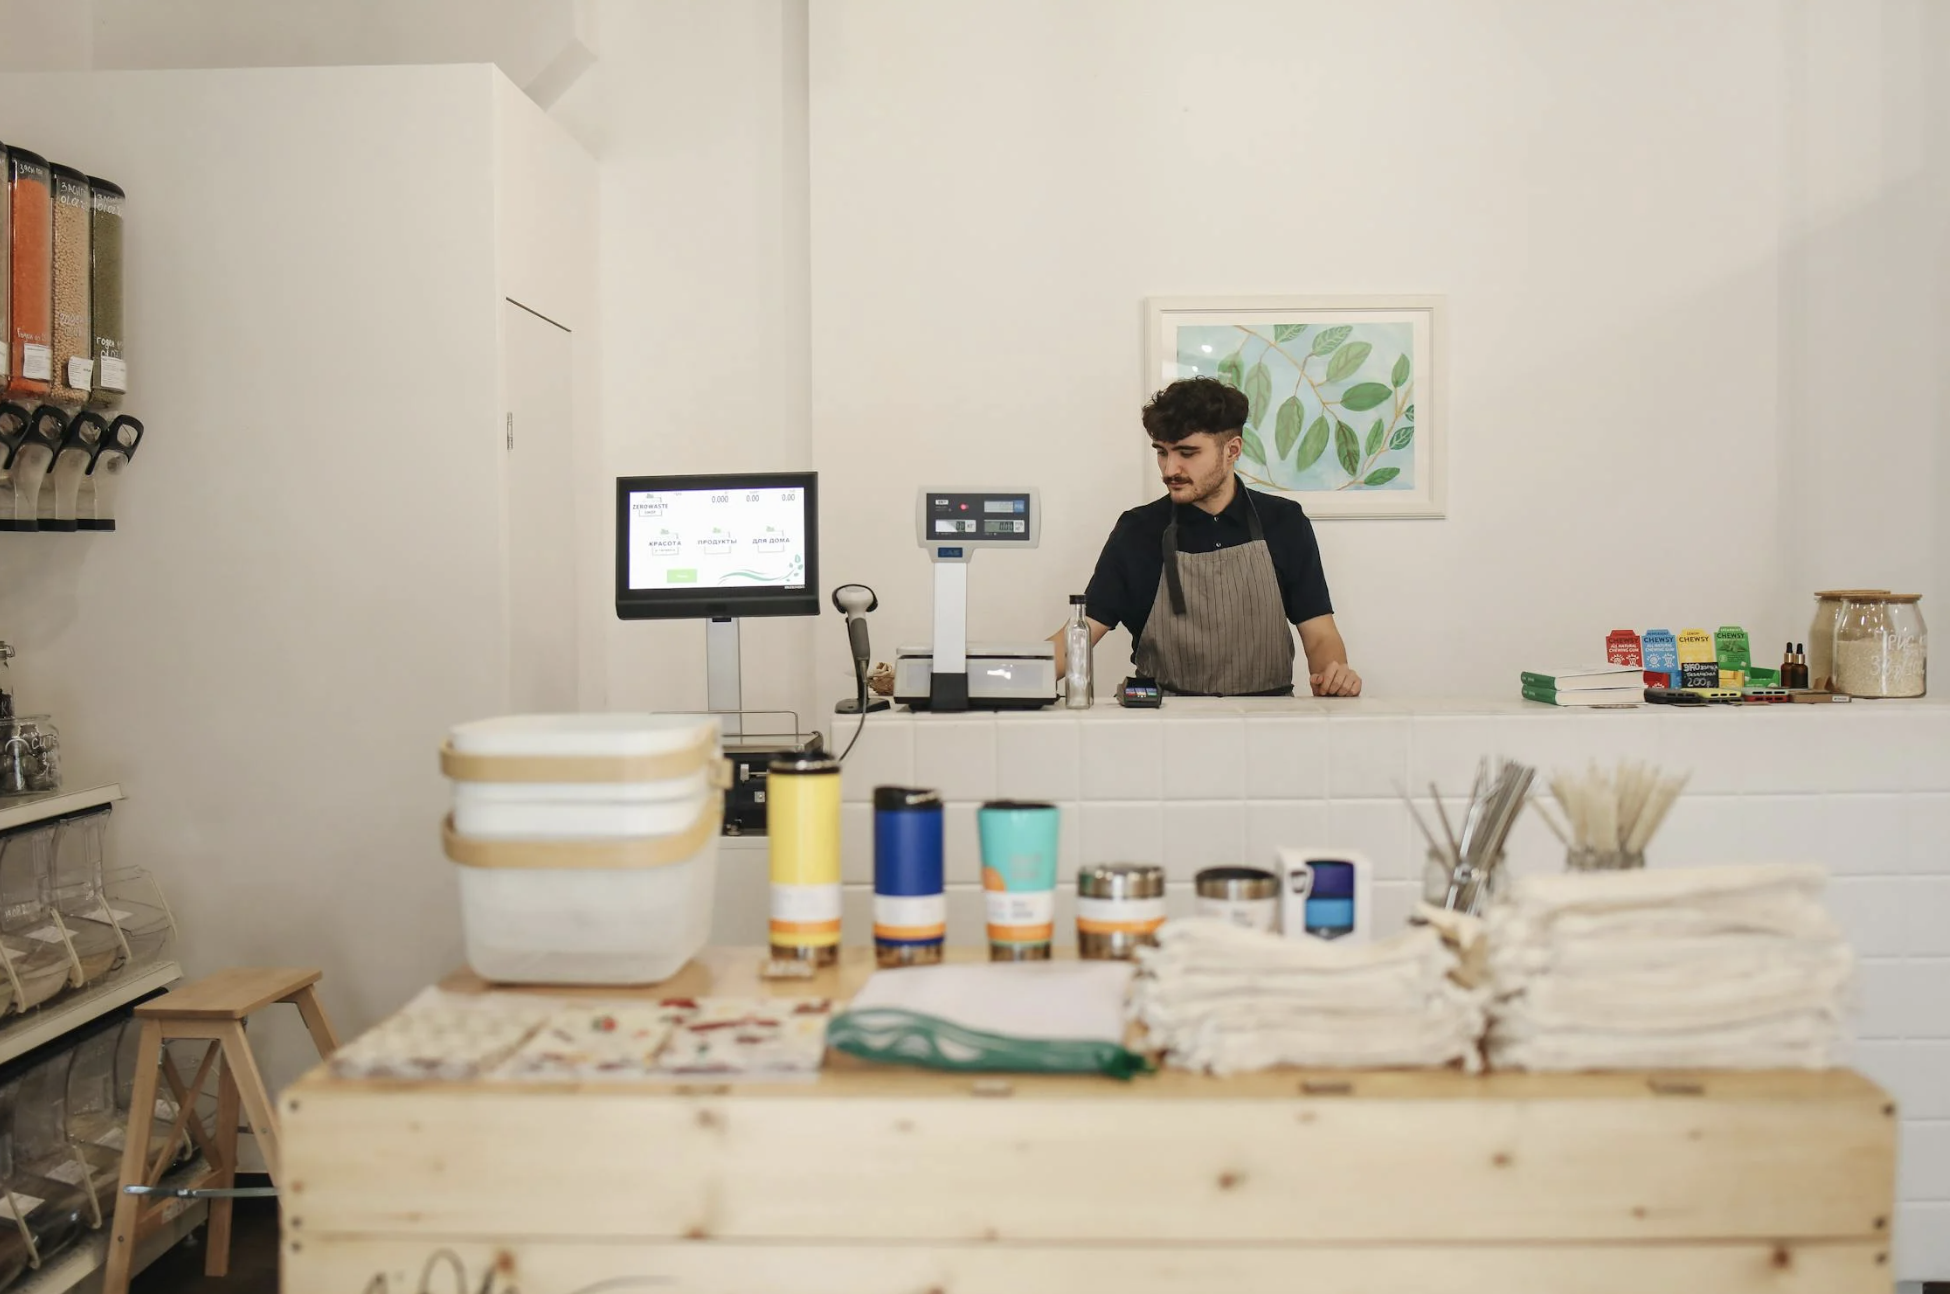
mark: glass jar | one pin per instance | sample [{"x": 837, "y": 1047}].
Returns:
[
  {"x": 1821, "y": 634},
  {"x": 105, "y": 294},
  {"x": 30, "y": 756},
  {"x": 6, "y": 684},
  {"x": 1881, "y": 645},
  {"x": 30, "y": 276},
  {"x": 73, "y": 333},
  {"x": 1445, "y": 887}
]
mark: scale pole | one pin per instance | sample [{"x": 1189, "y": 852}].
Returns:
[{"x": 724, "y": 687}]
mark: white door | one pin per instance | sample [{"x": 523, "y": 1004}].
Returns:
[{"x": 542, "y": 656}]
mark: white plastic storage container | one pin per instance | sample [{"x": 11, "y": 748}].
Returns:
[{"x": 587, "y": 844}]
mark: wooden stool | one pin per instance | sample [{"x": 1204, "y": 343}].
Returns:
[{"x": 212, "y": 1010}]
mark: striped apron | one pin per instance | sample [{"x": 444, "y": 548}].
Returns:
[{"x": 1218, "y": 624}]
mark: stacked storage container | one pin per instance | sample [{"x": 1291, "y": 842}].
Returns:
[{"x": 587, "y": 844}]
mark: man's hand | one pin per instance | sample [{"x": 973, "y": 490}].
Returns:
[{"x": 1336, "y": 680}]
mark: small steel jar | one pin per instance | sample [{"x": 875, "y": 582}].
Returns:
[
  {"x": 1119, "y": 909},
  {"x": 1245, "y": 896}
]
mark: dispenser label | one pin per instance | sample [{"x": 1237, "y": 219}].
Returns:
[
  {"x": 1119, "y": 916},
  {"x": 15, "y": 1206},
  {"x": 805, "y": 916},
  {"x": 910, "y": 918},
  {"x": 37, "y": 362},
  {"x": 115, "y": 374},
  {"x": 81, "y": 373},
  {"x": 46, "y": 934},
  {"x": 1249, "y": 914},
  {"x": 71, "y": 1172},
  {"x": 1021, "y": 916}
]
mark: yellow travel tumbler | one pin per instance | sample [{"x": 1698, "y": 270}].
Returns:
[{"x": 802, "y": 826}]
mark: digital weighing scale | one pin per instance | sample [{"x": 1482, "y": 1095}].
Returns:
[{"x": 953, "y": 674}]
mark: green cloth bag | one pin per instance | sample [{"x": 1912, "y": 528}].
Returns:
[{"x": 892, "y": 1036}]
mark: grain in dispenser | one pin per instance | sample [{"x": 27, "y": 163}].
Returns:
[
  {"x": 587, "y": 844},
  {"x": 30, "y": 277},
  {"x": 74, "y": 890},
  {"x": 106, "y": 203},
  {"x": 73, "y": 333}
]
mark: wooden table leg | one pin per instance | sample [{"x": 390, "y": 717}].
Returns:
[
  {"x": 242, "y": 1068},
  {"x": 316, "y": 1022},
  {"x": 135, "y": 1161},
  {"x": 216, "y": 1254}
]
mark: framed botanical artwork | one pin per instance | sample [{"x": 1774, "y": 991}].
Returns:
[{"x": 1342, "y": 392}]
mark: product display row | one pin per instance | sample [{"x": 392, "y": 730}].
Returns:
[
  {"x": 68, "y": 920},
  {"x": 63, "y": 1123},
  {"x": 64, "y": 367}
]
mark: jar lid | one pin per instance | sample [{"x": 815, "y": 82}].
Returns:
[
  {"x": 1122, "y": 881},
  {"x": 904, "y": 797},
  {"x": 810, "y": 764},
  {"x": 1016, "y": 806},
  {"x": 1237, "y": 883},
  {"x": 1848, "y": 593},
  {"x": 1881, "y": 595}
]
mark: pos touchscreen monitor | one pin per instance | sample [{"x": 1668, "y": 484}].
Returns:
[{"x": 717, "y": 547}]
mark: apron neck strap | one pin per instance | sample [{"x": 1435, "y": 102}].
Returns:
[{"x": 1174, "y": 586}]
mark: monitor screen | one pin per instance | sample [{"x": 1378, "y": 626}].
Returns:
[{"x": 722, "y": 545}]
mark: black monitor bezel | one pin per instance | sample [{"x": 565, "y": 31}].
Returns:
[{"x": 719, "y": 604}]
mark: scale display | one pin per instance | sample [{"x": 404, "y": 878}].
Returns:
[{"x": 978, "y": 518}]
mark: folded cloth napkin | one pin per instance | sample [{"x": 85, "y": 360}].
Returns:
[
  {"x": 1726, "y": 967},
  {"x": 1223, "y": 999}
]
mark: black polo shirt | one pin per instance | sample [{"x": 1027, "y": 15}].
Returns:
[{"x": 1125, "y": 584}]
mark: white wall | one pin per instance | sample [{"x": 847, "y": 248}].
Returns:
[
  {"x": 304, "y": 591},
  {"x": 704, "y": 310},
  {"x": 1668, "y": 235},
  {"x": 547, "y": 243}
]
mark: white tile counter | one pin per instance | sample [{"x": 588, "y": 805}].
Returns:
[{"x": 1863, "y": 788}]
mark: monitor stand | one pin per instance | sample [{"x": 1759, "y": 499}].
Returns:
[{"x": 724, "y": 689}]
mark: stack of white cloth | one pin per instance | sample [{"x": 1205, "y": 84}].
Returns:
[
  {"x": 1225, "y": 1000},
  {"x": 1711, "y": 968}
]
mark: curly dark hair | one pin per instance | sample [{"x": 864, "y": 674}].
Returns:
[{"x": 1193, "y": 405}]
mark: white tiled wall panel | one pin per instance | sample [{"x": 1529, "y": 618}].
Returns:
[{"x": 1861, "y": 788}]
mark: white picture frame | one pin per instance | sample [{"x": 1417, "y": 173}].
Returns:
[{"x": 1345, "y": 393}]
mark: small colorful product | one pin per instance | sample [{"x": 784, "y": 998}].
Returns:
[
  {"x": 1120, "y": 907},
  {"x": 803, "y": 836},
  {"x": 1019, "y": 877},
  {"x": 1622, "y": 648},
  {"x": 910, "y": 901}
]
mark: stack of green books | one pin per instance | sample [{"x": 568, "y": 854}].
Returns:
[{"x": 1586, "y": 685}]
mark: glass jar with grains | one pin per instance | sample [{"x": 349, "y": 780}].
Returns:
[
  {"x": 1881, "y": 645},
  {"x": 74, "y": 335},
  {"x": 1821, "y": 635}
]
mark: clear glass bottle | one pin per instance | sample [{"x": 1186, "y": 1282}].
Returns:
[
  {"x": 1881, "y": 646},
  {"x": 1078, "y": 683}
]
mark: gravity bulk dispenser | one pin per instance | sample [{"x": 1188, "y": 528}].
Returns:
[
  {"x": 95, "y": 506},
  {"x": 105, "y": 294},
  {"x": 73, "y": 336},
  {"x": 30, "y": 277},
  {"x": 27, "y": 445}
]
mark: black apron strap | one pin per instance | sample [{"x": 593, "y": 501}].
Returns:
[{"x": 1173, "y": 585}]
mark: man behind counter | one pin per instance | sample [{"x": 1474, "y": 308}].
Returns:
[{"x": 1209, "y": 577}]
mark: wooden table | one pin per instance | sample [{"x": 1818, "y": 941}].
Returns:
[{"x": 890, "y": 1181}]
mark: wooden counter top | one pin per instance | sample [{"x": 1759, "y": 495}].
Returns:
[{"x": 876, "y": 1180}]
